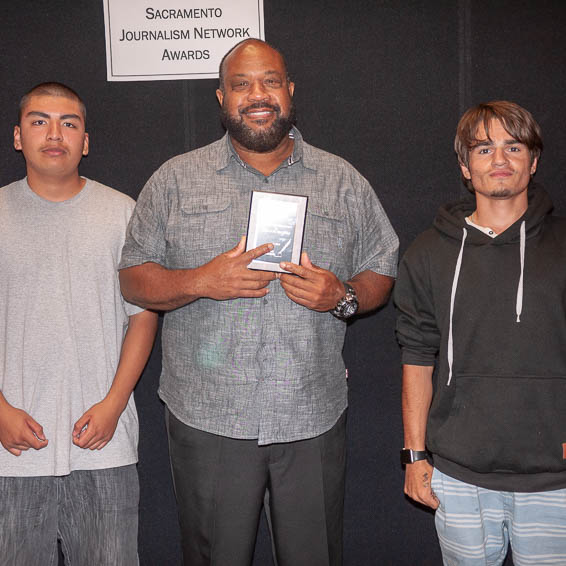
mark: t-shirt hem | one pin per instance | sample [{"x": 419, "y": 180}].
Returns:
[{"x": 67, "y": 471}]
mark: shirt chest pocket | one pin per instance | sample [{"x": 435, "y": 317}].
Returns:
[
  {"x": 198, "y": 232},
  {"x": 327, "y": 240}
]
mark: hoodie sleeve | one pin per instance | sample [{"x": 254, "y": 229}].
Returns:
[{"x": 417, "y": 330}]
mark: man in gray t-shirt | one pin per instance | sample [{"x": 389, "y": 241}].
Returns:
[
  {"x": 253, "y": 377},
  {"x": 71, "y": 351}
]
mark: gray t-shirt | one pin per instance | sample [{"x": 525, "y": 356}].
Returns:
[
  {"x": 62, "y": 321},
  {"x": 256, "y": 368}
]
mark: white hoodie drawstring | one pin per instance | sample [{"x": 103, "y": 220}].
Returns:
[
  {"x": 519, "y": 305},
  {"x": 452, "y": 296}
]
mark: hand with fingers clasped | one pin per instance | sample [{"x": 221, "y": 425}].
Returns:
[
  {"x": 227, "y": 275},
  {"x": 19, "y": 431},
  {"x": 95, "y": 429},
  {"x": 311, "y": 286},
  {"x": 418, "y": 478}
]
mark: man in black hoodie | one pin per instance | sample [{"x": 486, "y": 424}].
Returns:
[{"x": 482, "y": 326}]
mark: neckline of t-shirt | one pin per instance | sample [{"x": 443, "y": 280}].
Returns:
[{"x": 69, "y": 202}]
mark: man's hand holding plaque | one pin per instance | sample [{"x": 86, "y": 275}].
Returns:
[
  {"x": 227, "y": 277},
  {"x": 311, "y": 286}
]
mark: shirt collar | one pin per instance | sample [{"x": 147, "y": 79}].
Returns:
[
  {"x": 485, "y": 229},
  {"x": 228, "y": 152}
]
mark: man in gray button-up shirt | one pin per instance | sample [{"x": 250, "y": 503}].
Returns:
[{"x": 253, "y": 376}]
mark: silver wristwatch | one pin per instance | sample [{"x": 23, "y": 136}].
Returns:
[{"x": 348, "y": 305}]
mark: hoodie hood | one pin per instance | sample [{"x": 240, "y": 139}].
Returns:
[{"x": 451, "y": 218}]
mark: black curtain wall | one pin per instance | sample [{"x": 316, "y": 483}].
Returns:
[{"x": 382, "y": 83}]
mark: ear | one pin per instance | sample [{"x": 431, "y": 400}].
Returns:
[
  {"x": 17, "y": 138},
  {"x": 291, "y": 88},
  {"x": 219, "y": 96},
  {"x": 534, "y": 165},
  {"x": 85, "y": 144},
  {"x": 465, "y": 171}
]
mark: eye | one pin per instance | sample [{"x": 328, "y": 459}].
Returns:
[
  {"x": 69, "y": 125},
  {"x": 514, "y": 148},
  {"x": 483, "y": 151},
  {"x": 273, "y": 82},
  {"x": 38, "y": 122},
  {"x": 240, "y": 85}
]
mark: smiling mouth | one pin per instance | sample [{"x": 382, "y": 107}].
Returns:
[
  {"x": 260, "y": 110},
  {"x": 259, "y": 113}
]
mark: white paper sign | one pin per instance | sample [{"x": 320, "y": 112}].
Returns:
[{"x": 160, "y": 40}]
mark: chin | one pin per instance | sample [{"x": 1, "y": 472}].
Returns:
[
  {"x": 257, "y": 123},
  {"x": 501, "y": 193}
]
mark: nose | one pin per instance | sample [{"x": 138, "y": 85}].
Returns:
[
  {"x": 500, "y": 156},
  {"x": 54, "y": 131},
  {"x": 257, "y": 91}
]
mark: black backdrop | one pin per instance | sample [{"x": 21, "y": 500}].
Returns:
[{"x": 381, "y": 83}]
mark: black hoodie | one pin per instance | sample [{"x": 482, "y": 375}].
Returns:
[{"x": 498, "y": 415}]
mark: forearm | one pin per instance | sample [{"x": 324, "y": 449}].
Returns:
[
  {"x": 224, "y": 277},
  {"x": 153, "y": 286},
  {"x": 416, "y": 399},
  {"x": 3, "y": 403},
  {"x": 372, "y": 289},
  {"x": 135, "y": 352}
]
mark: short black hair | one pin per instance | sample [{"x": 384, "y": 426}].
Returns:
[{"x": 51, "y": 89}]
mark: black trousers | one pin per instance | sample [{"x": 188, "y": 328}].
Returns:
[{"x": 220, "y": 485}]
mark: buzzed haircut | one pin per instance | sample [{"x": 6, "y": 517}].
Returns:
[
  {"x": 51, "y": 89},
  {"x": 222, "y": 68},
  {"x": 516, "y": 120}
]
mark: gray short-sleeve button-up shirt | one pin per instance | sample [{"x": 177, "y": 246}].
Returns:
[{"x": 266, "y": 369}]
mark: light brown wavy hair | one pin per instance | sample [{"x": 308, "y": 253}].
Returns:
[{"x": 517, "y": 121}]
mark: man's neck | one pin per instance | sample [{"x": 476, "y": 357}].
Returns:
[
  {"x": 265, "y": 162},
  {"x": 55, "y": 189},
  {"x": 499, "y": 214}
]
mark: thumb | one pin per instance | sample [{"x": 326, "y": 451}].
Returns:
[
  {"x": 305, "y": 261},
  {"x": 239, "y": 249},
  {"x": 36, "y": 428},
  {"x": 80, "y": 424}
]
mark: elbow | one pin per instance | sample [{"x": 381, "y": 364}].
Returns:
[
  {"x": 129, "y": 288},
  {"x": 384, "y": 291},
  {"x": 125, "y": 284}
]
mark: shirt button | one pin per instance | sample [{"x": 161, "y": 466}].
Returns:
[{"x": 490, "y": 232}]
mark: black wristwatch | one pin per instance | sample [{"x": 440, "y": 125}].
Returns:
[
  {"x": 409, "y": 456},
  {"x": 348, "y": 305}
]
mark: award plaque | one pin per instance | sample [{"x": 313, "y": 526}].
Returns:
[{"x": 278, "y": 219}]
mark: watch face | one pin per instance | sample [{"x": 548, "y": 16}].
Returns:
[
  {"x": 348, "y": 305},
  {"x": 350, "y": 309}
]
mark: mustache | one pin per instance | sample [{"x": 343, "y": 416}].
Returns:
[{"x": 261, "y": 105}]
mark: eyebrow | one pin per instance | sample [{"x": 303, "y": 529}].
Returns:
[
  {"x": 269, "y": 72},
  {"x": 44, "y": 115},
  {"x": 488, "y": 142}
]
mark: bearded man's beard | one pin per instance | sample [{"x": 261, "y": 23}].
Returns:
[{"x": 261, "y": 141}]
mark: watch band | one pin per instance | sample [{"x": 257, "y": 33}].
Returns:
[{"x": 409, "y": 456}]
